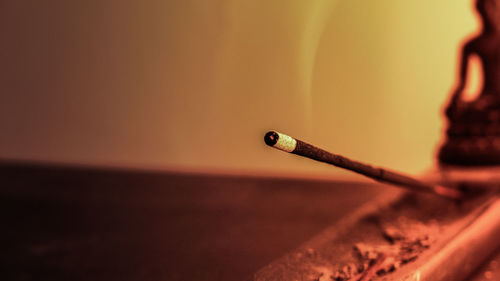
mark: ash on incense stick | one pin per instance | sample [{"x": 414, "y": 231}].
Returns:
[{"x": 291, "y": 145}]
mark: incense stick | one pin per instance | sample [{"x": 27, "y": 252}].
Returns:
[{"x": 298, "y": 147}]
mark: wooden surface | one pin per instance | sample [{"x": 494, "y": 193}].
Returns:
[
  {"x": 453, "y": 240},
  {"x": 93, "y": 224}
]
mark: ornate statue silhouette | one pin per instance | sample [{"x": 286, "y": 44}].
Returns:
[{"x": 473, "y": 135}]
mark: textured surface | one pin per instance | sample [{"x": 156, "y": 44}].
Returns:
[
  {"x": 430, "y": 238},
  {"x": 88, "y": 224},
  {"x": 490, "y": 270}
]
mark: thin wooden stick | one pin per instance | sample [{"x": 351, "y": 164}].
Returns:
[{"x": 295, "y": 146}]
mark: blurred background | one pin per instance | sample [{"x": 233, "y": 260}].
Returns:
[{"x": 193, "y": 85}]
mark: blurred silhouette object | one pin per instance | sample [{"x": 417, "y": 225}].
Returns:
[{"x": 473, "y": 134}]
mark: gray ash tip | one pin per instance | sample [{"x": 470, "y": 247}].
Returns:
[{"x": 271, "y": 138}]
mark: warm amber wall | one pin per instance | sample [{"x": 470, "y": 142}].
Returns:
[{"x": 195, "y": 84}]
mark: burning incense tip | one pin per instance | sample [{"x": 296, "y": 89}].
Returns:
[
  {"x": 298, "y": 147},
  {"x": 280, "y": 141}
]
